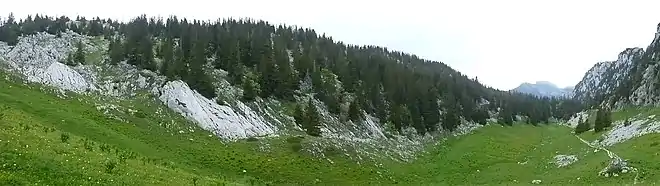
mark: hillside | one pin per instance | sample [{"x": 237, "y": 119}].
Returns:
[
  {"x": 186, "y": 102},
  {"x": 544, "y": 89},
  {"x": 630, "y": 80}
]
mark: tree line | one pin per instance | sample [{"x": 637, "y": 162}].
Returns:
[{"x": 271, "y": 61}]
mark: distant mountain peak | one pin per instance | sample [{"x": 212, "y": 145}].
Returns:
[{"x": 544, "y": 89}]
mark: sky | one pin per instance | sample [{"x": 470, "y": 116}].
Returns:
[{"x": 502, "y": 43}]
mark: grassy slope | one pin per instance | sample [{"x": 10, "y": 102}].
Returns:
[
  {"x": 33, "y": 122},
  {"x": 148, "y": 150}
]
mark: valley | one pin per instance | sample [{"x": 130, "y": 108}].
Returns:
[
  {"x": 175, "y": 101},
  {"x": 99, "y": 150}
]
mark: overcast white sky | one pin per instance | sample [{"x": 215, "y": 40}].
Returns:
[{"x": 503, "y": 43}]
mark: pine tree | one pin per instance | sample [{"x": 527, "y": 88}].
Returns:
[
  {"x": 603, "y": 120},
  {"x": 313, "y": 120},
  {"x": 9, "y": 31},
  {"x": 115, "y": 50},
  {"x": 354, "y": 113},
  {"x": 168, "y": 59},
  {"x": 80, "y": 53},
  {"x": 450, "y": 120},
  {"x": 582, "y": 126},
  {"x": 299, "y": 116},
  {"x": 70, "y": 60},
  {"x": 250, "y": 87}
]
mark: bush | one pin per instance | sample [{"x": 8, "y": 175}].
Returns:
[
  {"x": 627, "y": 122},
  {"x": 89, "y": 145},
  {"x": 64, "y": 137},
  {"x": 104, "y": 147},
  {"x": 110, "y": 166},
  {"x": 140, "y": 114},
  {"x": 603, "y": 120},
  {"x": 295, "y": 139},
  {"x": 582, "y": 126},
  {"x": 252, "y": 139}
]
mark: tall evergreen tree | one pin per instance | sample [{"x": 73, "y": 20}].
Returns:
[
  {"x": 354, "y": 113},
  {"x": 79, "y": 57},
  {"x": 313, "y": 120}
]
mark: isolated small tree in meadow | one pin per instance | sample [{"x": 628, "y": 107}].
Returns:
[
  {"x": 582, "y": 126},
  {"x": 603, "y": 120}
]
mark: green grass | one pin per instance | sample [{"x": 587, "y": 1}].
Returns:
[
  {"x": 49, "y": 140},
  {"x": 492, "y": 154},
  {"x": 96, "y": 57},
  {"x": 159, "y": 154}
]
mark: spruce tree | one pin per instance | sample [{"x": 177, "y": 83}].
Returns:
[
  {"x": 603, "y": 120},
  {"x": 116, "y": 52},
  {"x": 168, "y": 59},
  {"x": 299, "y": 115},
  {"x": 79, "y": 57},
  {"x": 354, "y": 113},
  {"x": 582, "y": 126},
  {"x": 70, "y": 60},
  {"x": 313, "y": 120},
  {"x": 250, "y": 87}
]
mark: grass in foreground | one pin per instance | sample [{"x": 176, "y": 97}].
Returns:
[{"x": 67, "y": 141}]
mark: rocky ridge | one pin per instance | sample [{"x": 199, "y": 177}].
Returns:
[
  {"x": 630, "y": 80},
  {"x": 544, "y": 89}
]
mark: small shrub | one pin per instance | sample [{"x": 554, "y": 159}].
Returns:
[
  {"x": 331, "y": 151},
  {"x": 89, "y": 145},
  {"x": 582, "y": 126},
  {"x": 252, "y": 139},
  {"x": 654, "y": 144},
  {"x": 627, "y": 122},
  {"x": 295, "y": 139},
  {"x": 104, "y": 147},
  {"x": 140, "y": 114},
  {"x": 194, "y": 180},
  {"x": 64, "y": 137},
  {"x": 110, "y": 166},
  {"x": 296, "y": 147}
]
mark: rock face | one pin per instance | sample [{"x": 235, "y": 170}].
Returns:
[
  {"x": 36, "y": 57},
  {"x": 544, "y": 89},
  {"x": 635, "y": 128},
  {"x": 604, "y": 78},
  {"x": 219, "y": 119},
  {"x": 631, "y": 79}
]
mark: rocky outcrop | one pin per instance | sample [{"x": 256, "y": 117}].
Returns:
[
  {"x": 37, "y": 58},
  {"x": 219, "y": 119},
  {"x": 603, "y": 79},
  {"x": 625, "y": 130},
  {"x": 630, "y": 80}
]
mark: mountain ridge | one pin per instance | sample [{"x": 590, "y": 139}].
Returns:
[
  {"x": 630, "y": 80},
  {"x": 544, "y": 89}
]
